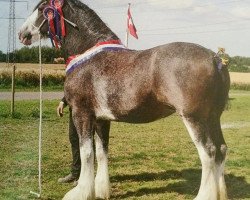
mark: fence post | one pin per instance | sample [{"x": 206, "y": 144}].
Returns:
[{"x": 13, "y": 91}]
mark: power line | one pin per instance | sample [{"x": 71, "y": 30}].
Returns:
[
  {"x": 195, "y": 26},
  {"x": 17, "y": 1},
  {"x": 11, "y": 54},
  {"x": 197, "y": 32},
  {"x": 12, "y": 18},
  {"x": 12, "y": 1},
  {"x": 11, "y": 34},
  {"x": 163, "y": 1}
]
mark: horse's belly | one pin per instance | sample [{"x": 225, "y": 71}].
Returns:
[{"x": 145, "y": 114}]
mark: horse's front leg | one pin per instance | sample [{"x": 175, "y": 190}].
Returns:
[
  {"x": 85, "y": 188},
  {"x": 102, "y": 184}
]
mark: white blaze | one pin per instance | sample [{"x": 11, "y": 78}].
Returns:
[{"x": 29, "y": 28}]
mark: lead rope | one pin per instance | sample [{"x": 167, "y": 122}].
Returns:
[
  {"x": 40, "y": 125},
  {"x": 41, "y": 115},
  {"x": 41, "y": 108}
]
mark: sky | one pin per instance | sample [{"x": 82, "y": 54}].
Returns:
[{"x": 210, "y": 23}]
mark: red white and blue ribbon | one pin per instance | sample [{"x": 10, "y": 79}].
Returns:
[
  {"x": 58, "y": 4},
  {"x": 54, "y": 14},
  {"x": 74, "y": 61},
  {"x": 50, "y": 13}
]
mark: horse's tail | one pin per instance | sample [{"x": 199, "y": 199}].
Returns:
[{"x": 223, "y": 83}]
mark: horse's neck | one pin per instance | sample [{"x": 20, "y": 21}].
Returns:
[{"x": 91, "y": 31}]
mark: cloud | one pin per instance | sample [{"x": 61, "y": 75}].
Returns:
[
  {"x": 171, "y": 4},
  {"x": 106, "y": 3},
  {"x": 201, "y": 10},
  {"x": 242, "y": 12}
]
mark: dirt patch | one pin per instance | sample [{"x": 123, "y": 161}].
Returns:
[{"x": 31, "y": 95}]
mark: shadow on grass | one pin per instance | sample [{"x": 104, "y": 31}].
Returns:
[{"x": 188, "y": 183}]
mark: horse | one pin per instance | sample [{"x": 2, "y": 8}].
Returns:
[{"x": 137, "y": 86}]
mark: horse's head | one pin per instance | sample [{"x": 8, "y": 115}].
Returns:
[
  {"x": 70, "y": 24},
  {"x": 34, "y": 24}
]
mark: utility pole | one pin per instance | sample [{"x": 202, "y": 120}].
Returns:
[{"x": 11, "y": 48}]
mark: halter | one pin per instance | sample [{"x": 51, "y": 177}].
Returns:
[{"x": 53, "y": 14}]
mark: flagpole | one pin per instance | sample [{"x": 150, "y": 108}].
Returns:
[{"x": 127, "y": 31}]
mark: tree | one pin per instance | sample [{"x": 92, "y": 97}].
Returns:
[
  {"x": 31, "y": 55},
  {"x": 2, "y": 57}
]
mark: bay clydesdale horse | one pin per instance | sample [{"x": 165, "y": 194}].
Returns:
[{"x": 118, "y": 84}]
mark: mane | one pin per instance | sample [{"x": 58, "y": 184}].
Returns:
[
  {"x": 94, "y": 23},
  {"x": 79, "y": 4},
  {"x": 37, "y": 6},
  {"x": 93, "y": 29}
]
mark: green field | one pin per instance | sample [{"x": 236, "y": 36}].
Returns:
[{"x": 155, "y": 161}]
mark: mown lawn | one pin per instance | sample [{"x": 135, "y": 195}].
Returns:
[{"x": 155, "y": 161}]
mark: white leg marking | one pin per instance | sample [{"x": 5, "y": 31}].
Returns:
[
  {"x": 212, "y": 185},
  {"x": 102, "y": 183},
  {"x": 85, "y": 188},
  {"x": 222, "y": 183}
]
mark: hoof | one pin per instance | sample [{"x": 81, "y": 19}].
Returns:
[
  {"x": 78, "y": 193},
  {"x": 102, "y": 190},
  {"x": 104, "y": 196}
]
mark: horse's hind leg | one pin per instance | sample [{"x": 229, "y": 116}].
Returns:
[
  {"x": 208, "y": 139},
  {"x": 85, "y": 189},
  {"x": 102, "y": 184}
]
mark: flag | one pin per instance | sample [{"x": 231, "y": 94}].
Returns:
[{"x": 131, "y": 27}]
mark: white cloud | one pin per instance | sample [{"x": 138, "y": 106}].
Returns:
[
  {"x": 242, "y": 12},
  {"x": 171, "y": 4},
  {"x": 200, "y": 10}
]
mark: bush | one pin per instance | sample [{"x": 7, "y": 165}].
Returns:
[
  {"x": 30, "y": 79},
  {"x": 53, "y": 79},
  {"x": 5, "y": 78},
  {"x": 240, "y": 86},
  {"x": 239, "y": 68}
]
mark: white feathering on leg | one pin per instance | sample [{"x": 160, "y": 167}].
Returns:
[
  {"x": 85, "y": 188},
  {"x": 102, "y": 183}
]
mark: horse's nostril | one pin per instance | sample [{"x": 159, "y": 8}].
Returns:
[{"x": 28, "y": 36}]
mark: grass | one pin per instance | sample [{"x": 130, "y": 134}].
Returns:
[
  {"x": 147, "y": 162},
  {"x": 240, "y": 86}
]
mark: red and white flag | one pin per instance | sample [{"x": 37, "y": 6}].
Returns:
[{"x": 131, "y": 27}]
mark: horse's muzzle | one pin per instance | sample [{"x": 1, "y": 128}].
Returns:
[{"x": 25, "y": 38}]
